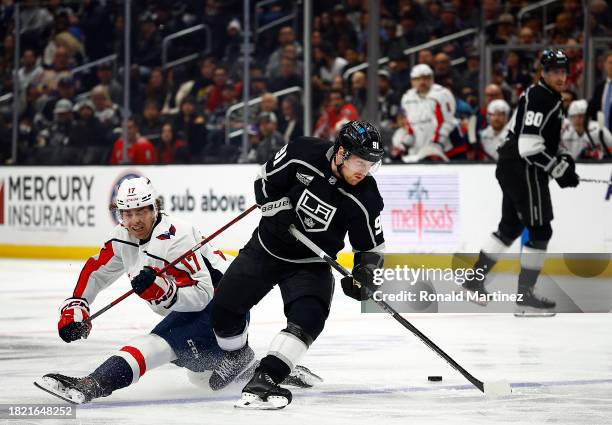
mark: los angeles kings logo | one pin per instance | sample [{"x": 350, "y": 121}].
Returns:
[{"x": 315, "y": 214}]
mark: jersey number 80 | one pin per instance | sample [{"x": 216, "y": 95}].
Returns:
[{"x": 534, "y": 118}]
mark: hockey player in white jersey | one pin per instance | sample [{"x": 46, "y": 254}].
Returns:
[
  {"x": 498, "y": 114},
  {"x": 429, "y": 118},
  {"x": 582, "y": 138},
  {"x": 146, "y": 240}
]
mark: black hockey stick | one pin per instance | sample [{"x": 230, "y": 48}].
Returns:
[
  {"x": 173, "y": 263},
  {"x": 499, "y": 388}
]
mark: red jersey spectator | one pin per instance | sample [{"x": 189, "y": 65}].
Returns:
[
  {"x": 337, "y": 111},
  {"x": 172, "y": 150},
  {"x": 139, "y": 150}
]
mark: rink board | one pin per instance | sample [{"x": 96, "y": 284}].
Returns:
[{"x": 62, "y": 212}]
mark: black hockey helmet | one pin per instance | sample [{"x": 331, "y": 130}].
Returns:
[
  {"x": 360, "y": 138},
  {"x": 554, "y": 58}
]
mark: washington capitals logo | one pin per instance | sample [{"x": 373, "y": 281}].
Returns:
[{"x": 167, "y": 235}]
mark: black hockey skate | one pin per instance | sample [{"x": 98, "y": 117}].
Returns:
[
  {"x": 531, "y": 305},
  {"x": 476, "y": 290},
  {"x": 231, "y": 365},
  {"x": 72, "y": 390},
  {"x": 263, "y": 393}
]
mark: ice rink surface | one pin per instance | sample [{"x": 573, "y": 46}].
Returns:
[{"x": 375, "y": 371}]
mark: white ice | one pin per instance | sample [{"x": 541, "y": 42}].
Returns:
[{"x": 375, "y": 371}]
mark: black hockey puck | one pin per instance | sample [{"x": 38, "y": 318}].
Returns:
[{"x": 434, "y": 378}]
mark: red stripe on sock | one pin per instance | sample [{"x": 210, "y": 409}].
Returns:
[{"x": 135, "y": 352}]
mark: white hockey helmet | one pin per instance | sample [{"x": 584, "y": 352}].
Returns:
[
  {"x": 498, "y": 105},
  {"x": 136, "y": 193},
  {"x": 421, "y": 70},
  {"x": 577, "y": 107}
]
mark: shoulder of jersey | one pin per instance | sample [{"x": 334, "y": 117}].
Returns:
[
  {"x": 170, "y": 228},
  {"x": 306, "y": 148}
]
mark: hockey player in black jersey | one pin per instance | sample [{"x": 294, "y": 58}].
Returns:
[
  {"x": 528, "y": 158},
  {"x": 326, "y": 191}
]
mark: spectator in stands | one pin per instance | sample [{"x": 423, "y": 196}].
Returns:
[
  {"x": 156, "y": 89},
  {"x": 574, "y": 78},
  {"x": 445, "y": 74},
  {"x": 286, "y": 37},
  {"x": 147, "y": 47},
  {"x": 172, "y": 150},
  {"x": 203, "y": 83},
  {"x": 583, "y": 138},
  {"x": 526, "y": 36},
  {"x": 104, "y": 72},
  {"x": 215, "y": 98},
  {"x": 600, "y": 105},
  {"x": 151, "y": 123},
  {"x": 327, "y": 64},
  {"x": 288, "y": 76},
  {"x": 58, "y": 133},
  {"x": 66, "y": 37},
  {"x": 35, "y": 22},
  {"x": 59, "y": 68},
  {"x": 358, "y": 91},
  {"x": 105, "y": 110},
  {"x": 139, "y": 150},
  {"x": 30, "y": 71},
  {"x": 233, "y": 41},
  {"x": 400, "y": 73},
  {"x": 515, "y": 74},
  {"x": 506, "y": 30},
  {"x": 316, "y": 39},
  {"x": 413, "y": 31},
  {"x": 472, "y": 73},
  {"x": 449, "y": 23},
  {"x": 94, "y": 20},
  {"x": 601, "y": 18},
  {"x": 189, "y": 126},
  {"x": 340, "y": 27},
  {"x": 270, "y": 140},
  {"x": 90, "y": 136},
  {"x": 565, "y": 25},
  {"x": 426, "y": 57},
  {"x": 337, "y": 111},
  {"x": 269, "y": 103},
  {"x": 291, "y": 127},
  {"x": 65, "y": 90}
]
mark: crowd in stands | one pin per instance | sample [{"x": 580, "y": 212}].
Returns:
[{"x": 179, "y": 114}]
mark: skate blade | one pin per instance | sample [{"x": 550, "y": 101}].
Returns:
[
  {"x": 533, "y": 312},
  {"x": 254, "y": 402},
  {"x": 476, "y": 301},
  {"x": 55, "y": 388},
  {"x": 302, "y": 377}
]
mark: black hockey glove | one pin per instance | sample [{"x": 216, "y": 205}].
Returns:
[
  {"x": 143, "y": 280},
  {"x": 564, "y": 171},
  {"x": 363, "y": 272}
]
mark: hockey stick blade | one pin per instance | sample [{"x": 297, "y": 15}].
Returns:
[
  {"x": 595, "y": 181},
  {"x": 492, "y": 389}
]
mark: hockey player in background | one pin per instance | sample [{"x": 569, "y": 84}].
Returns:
[
  {"x": 428, "y": 119},
  {"x": 491, "y": 138},
  {"x": 582, "y": 138},
  {"x": 326, "y": 191},
  {"x": 145, "y": 241},
  {"x": 528, "y": 158}
]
